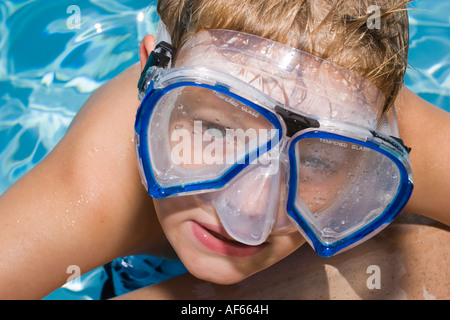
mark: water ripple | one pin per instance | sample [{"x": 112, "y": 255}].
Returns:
[{"x": 48, "y": 71}]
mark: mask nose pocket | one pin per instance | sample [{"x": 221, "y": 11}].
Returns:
[{"x": 247, "y": 207}]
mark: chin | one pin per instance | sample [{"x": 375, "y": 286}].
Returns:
[{"x": 222, "y": 272}]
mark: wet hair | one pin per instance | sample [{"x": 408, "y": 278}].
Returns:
[{"x": 370, "y": 37}]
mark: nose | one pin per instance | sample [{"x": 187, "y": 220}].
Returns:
[{"x": 248, "y": 207}]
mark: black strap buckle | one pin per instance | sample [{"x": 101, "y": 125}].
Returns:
[
  {"x": 400, "y": 142},
  {"x": 160, "y": 57}
]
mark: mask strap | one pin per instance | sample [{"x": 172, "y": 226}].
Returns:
[
  {"x": 162, "y": 34},
  {"x": 388, "y": 123}
]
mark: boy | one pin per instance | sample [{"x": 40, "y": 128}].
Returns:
[{"x": 92, "y": 208}]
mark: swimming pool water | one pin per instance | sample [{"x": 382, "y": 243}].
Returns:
[
  {"x": 49, "y": 66},
  {"x": 429, "y": 54}
]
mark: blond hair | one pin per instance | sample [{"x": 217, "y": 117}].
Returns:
[{"x": 335, "y": 30}]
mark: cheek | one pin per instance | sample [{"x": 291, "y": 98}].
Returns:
[
  {"x": 171, "y": 213},
  {"x": 170, "y": 207}
]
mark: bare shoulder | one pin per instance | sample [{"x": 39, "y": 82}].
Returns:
[{"x": 426, "y": 129}]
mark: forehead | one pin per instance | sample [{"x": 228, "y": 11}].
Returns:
[{"x": 294, "y": 78}]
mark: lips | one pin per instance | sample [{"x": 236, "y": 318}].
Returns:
[{"x": 217, "y": 240}]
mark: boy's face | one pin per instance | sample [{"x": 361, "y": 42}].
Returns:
[{"x": 192, "y": 224}]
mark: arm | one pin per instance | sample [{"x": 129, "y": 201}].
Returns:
[
  {"x": 426, "y": 129},
  {"x": 83, "y": 204}
]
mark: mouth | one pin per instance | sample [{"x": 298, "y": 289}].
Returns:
[{"x": 217, "y": 240}]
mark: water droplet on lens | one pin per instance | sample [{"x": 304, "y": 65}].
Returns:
[{"x": 255, "y": 236}]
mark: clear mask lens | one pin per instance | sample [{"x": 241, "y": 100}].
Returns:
[
  {"x": 341, "y": 186},
  {"x": 198, "y": 135}
]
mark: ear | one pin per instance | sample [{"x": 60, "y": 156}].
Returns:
[{"x": 146, "y": 47}]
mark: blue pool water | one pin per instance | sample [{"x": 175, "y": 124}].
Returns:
[{"x": 49, "y": 66}]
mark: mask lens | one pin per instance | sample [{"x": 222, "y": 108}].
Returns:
[
  {"x": 342, "y": 186},
  {"x": 198, "y": 135}
]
